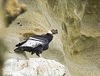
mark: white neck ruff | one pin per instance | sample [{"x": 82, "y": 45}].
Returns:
[{"x": 49, "y": 32}]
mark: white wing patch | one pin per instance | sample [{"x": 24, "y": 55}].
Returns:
[{"x": 32, "y": 42}]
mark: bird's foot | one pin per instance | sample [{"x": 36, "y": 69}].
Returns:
[{"x": 40, "y": 55}]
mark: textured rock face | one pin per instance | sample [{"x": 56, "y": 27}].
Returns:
[
  {"x": 2, "y": 34},
  {"x": 77, "y": 45},
  {"x": 82, "y": 40},
  {"x": 33, "y": 67},
  {"x": 13, "y": 10}
]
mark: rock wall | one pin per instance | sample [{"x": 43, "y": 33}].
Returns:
[
  {"x": 82, "y": 40},
  {"x": 76, "y": 45}
]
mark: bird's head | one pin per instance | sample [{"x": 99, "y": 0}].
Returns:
[{"x": 53, "y": 31}]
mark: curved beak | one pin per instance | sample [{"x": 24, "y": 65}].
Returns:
[{"x": 56, "y": 31}]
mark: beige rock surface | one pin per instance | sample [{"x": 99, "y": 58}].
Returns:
[
  {"x": 2, "y": 34},
  {"x": 77, "y": 45},
  {"x": 13, "y": 9}
]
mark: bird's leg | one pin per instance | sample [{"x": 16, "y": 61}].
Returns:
[
  {"x": 39, "y": 51},
  {"x": 40, "y": 55},
  {"x": 32, "y": 52},
  {"x": 37, "y": 54}
]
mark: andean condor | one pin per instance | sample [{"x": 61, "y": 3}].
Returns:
[{"x": 36, "y": 44}]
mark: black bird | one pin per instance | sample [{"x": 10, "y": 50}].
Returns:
[{"x": 36, "y": 44}]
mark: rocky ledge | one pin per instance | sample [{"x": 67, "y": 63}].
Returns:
[{"x": 33, "y": 67}]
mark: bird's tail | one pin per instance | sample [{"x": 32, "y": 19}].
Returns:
[{"x": 18, "y": 49}]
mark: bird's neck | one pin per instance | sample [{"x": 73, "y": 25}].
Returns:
[{"x": 49, "y": 37}]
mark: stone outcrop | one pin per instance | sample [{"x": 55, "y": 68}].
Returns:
[{"x": 33, "y": 67}]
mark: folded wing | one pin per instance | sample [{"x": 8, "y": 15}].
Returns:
[{"x": 33, "y": 42}]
